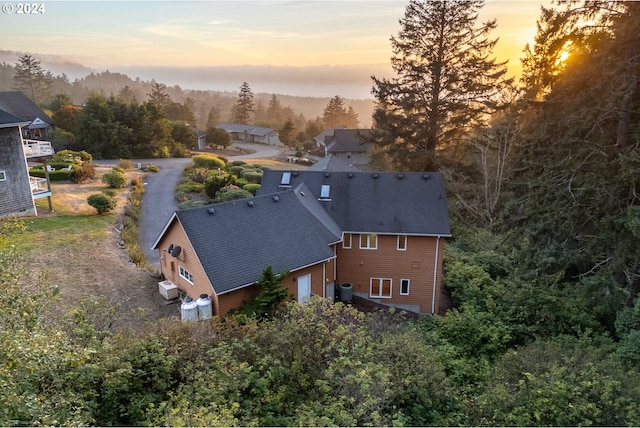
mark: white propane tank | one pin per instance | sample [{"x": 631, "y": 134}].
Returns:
[
  {"x": 189, "y": 310},
  {"x": 204, "y": 307}
]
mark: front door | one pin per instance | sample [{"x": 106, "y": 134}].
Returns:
[{"x": 304, "y": 288}]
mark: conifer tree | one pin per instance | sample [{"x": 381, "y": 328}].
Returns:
[
  {"x": 31, "y": 79},
  {"x": 241, "y": 111},
  {"x": 446, "y": 82}
]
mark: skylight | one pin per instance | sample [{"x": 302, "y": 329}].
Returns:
[
  {"x": 324, "y": 191},
  {"x": 286, "y": 179}
]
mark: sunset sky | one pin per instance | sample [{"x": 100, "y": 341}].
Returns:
[{"x": 305, "y": 46}]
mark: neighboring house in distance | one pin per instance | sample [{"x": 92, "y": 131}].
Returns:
[
  {"x": 382, "y": 233},
  {"x": 39, "y": 125},
  {"x": 18, "y": 190},
  {"x": 252, "y": 134},
  {"x": 201, "y": 138},
  {"x": 348, "y": 145},
  {"x": 333, "y": 164}
]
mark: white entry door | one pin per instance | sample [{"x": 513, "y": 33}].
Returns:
[{"x": 304, "y": 288}]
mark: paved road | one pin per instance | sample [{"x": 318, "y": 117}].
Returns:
[{"x": 158, "y": 202}]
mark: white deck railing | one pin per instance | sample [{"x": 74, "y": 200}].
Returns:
[
  {"x": 38, "y": 185},
  {"x": 35, "y": 148}
]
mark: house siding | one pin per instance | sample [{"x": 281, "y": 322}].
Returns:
[
  {"x": 223, "y": 303},
  {"x": 188, "y": 260},
  {"x": 357, "y": 266},
  {"x": 15, "y": 192}
]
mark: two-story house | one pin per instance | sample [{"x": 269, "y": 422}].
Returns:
[
  {"x": 18, "y": 191},
  {"x": 381, "y": 233}
]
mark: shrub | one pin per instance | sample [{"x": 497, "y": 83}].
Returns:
[
  {"x": 251, "y": 188},
  {"x": 82, "y": 173},
  {"x": 118, "y": 169},
  {"x": 252, "y": 176},
  {"x": 179, "y": 150},
  {"x": 137, "y": 182},
  {"x": 214, "y": 184},
  {"x": 125, "y": 164},
  {"x": 150, "y": 168},
  {"x": 208, "y": 161},
  {"x": 101, "y": 202},
  {"x": 237, "y": 170},
  {"x": 110, "y": 192},
  {"x": 59, "y": 175},
  {"x": 115, "y": 179},
  {"x": 190, "y": 187},
  {"x": 71, "y": 156},
  {"x": 238, "y": 163},
  {"x": 230, "y": 193},
  {"x": 200, "y": 175}
]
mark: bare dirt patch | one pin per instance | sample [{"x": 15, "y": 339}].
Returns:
[{"x": 99, "y": 269}]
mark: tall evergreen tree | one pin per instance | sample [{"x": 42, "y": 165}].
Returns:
[
  {"x": 159, "y": 94},
  {"x": 446, "y": 82},
  {"x": 242, "y": 110},
  {"x": 31, "y": 79},
  {"x": 336, "y": 115}
]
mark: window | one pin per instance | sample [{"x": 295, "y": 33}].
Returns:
[
  {"x": 404, "y": 287},
  {"x": 369, "y": 241},
  {"x": 286, "y": 179},
  {"x": 3, "y": 175},
  {"x": 346, "y": 240},
  {"x": 324, "y": 191},
  {"x": 402, "y": 242},
  {"x": 380, "y": 287},
  {"x": 186, "y": 275}
]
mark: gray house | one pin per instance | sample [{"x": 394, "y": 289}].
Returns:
[
  {"x": 348, "y": 145},
  {"x": 39, "y": 126},
  {"x": 18, "y": 191},
  {"x": 252, "y": 134}
]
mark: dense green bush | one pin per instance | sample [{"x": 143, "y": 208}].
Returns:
[
  {"x": 190, "y": 187},
  {"x": 58, "y": 175},
  {"x": 236, "y": 170},
  {"x": 102, "y": 203},
  {"x": 72, "y": 156},
  {"x": 208, "y": 161},
  {"x": 213, "y": 185},
  {"x": 251, "y": 188},
  {"x": 115, "y": 179},
  {"x": 252, "y": 176},
  {"x": 230, "y": 193}
]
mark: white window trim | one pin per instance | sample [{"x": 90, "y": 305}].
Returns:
[
  {"x": 379, "y": 280},
  {"x": 406, "y": 239},
  {"x": 344, "y": 240},
  {"x": 368, "y": 235},
  {"x": 408, "y": 286},
  {"x": 3, "y": 175},
  {"x": 184, "y": 274}
]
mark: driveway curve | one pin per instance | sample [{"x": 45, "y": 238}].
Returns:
[{"x": 159, "y": 203}]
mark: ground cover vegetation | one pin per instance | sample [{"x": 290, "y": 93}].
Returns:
[{"x": 543, "y": 269}]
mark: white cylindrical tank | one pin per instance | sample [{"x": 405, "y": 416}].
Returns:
[
  {"x": 189, "y": 310},
  {"x": 204, "y": 307}
]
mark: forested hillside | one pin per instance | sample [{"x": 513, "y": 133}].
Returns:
[{"x": 543, "y": 269}]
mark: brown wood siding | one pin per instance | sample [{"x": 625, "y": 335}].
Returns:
[
  {"x": 188, "y": 260},
  {"x": 357, "y": 266}
]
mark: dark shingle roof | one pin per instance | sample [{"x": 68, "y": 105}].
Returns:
[
  {"x": 332, "y": 163},
  {"x": 7, "y": 119},
  {"x": 238, "y": 241},
  {"x": 250, "y": 129},
  {"x": 348, "y": 140},
  {"x": 19, "y": 105},
  {"x": 383, "y": 202}
]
